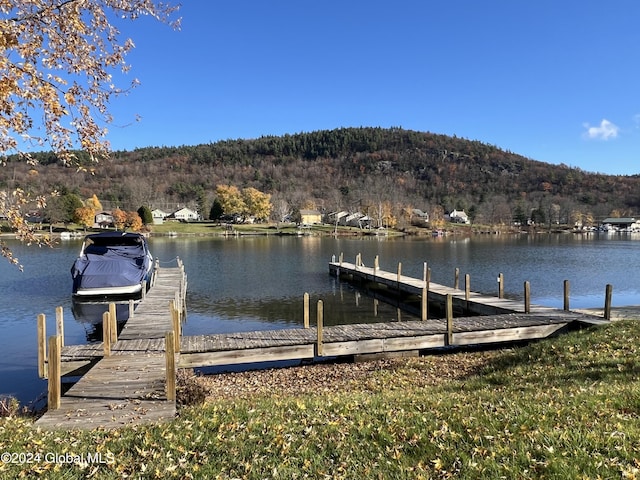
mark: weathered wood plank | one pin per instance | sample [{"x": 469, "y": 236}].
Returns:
[{"x": 254, "y": 355}]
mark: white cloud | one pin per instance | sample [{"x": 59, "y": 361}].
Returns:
[{"x": 605, "y": 131}]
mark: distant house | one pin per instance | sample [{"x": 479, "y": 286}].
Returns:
[
  {"x": 103, "y": 219},
  {"x": 419, "y": 216},
  {"x": 310, "y": 217},
  {"x": 458, "y": 216},
  {"x": 158, "y": 216},
  {"x": 185, "y": 214},
  {"x": 335, "y": 218}
]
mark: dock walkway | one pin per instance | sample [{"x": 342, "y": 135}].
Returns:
[{"x": 127, "y": 387}]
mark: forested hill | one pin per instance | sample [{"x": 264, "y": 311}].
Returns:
[{"x": 348, "y": 169}]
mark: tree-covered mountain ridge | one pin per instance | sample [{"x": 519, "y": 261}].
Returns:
[{"x": 348, "y": 169}]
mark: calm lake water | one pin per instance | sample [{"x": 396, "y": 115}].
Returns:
[{"x": 251, "y": 283}]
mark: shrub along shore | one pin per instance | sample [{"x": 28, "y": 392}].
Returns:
[{"x": 565, "y": 407}]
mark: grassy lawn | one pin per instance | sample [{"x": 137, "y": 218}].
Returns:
[{"x": 563, "y": 408}]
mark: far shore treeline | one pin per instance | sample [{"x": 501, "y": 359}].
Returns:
[{"x": 347, "y": 169}]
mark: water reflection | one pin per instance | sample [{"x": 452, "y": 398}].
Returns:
[{"x": 90, "y": 314}]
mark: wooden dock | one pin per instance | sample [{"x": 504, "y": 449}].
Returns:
[{"x": 129, "y": 386}]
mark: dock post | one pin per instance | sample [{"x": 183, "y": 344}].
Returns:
[
  {"x": 500, "y": 285},
  {"x": 467, "y": 286},
  {"x": 305, "y": 303},
  {"x": 177, "y": 327},
  {"x": 53, "y": 390},
  {"x": 341, "y": 257},
  {"x": 60, "y": 324},
  {"x": 449, "y": 319},
  {"x": 527, "y": 297},
  {"x": 607, "y": 301},
  {"x": 399, "y": 273},
  {"x": 424, "y": 303},
  {"x": 106, "y": 334},
  {"x": 131, "y": 307},
  {"x": 170, "y": 358},
  {"x": 425, "y": 292},
  {"x": 566, "y": 295},
  {"x": 319, "y": 325},
  {"x": 456, "y": 278},
  {"x": 143, "y": 290},
  {"x": 376, "y": 265},
  {"x": 42, "y": 345},
  {"x": 113, "y": 328}
]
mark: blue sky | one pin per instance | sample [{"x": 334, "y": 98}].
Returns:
[{"x": 555, "y": 81}]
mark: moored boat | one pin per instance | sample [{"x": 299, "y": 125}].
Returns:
[{"x": 112, "y": 264}]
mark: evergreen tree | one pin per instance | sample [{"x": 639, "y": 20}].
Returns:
[{"x": 145, "y": 214}]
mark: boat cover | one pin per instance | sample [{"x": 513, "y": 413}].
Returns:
[{"x": 111, "y": 261}]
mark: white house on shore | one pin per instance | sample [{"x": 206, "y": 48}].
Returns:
[
  {"x": 458, "y": 216},
  {"x": 184, "y": 214},
  {"x": 159, "y": 216}
]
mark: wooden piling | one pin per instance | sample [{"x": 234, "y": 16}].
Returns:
[
  {"x": 607, "y": 301},
  {"x": 113, "y": 327},
  {"x": 500, "y": 285},
  {"x": 449, "y": 308},
  {"x": 527, "y": 297},
  {"x": 456, "y": 278},
  {"x": 54, "y": 387},
  {"x": 424, "y": 303},
  {"x": 376, "y": 265},
  {"x": 467, "y": 286},
  {"x": 60, "y": 324},
  {"x": 132, "y": 308},
  {"x": 399, "y": 272},
  {"x": 177, "y": 327},
  {"x": 425, "y": 292},
  {"x": 566, "y": 295},
  {"x": 319, "y": 326},
  {"x": 305, "y": 303},
  {"x": 106, "y": 334},
  {"x": 170, "y": 358},
  {"x": 42, "y": 345}
]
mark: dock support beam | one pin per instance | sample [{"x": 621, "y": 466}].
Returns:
[
  {"x": 106, "y": 334},
  {"x": 170, "y": 357},
  {"x": 113, "y": 327},
  {"x": 449, "y": 308},
  {"x": 305, "y": 313},
  {"x": 319, "y": 326},
  {"x": 42, "y": 345},
  {"x": 527, "y": 297},
  {"x": 53, "y": 397},
  {"x": 425, "y": 292},
  {"x": 500, "y": 285},
  {"x": 60, "y": 324},
  {"x": 467, "y": 286},
  {"x": 607, "y": 301},
  {"x": 566, "y": 295}
]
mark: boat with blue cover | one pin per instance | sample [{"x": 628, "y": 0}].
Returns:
[{"x": 112, "y": 264}]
